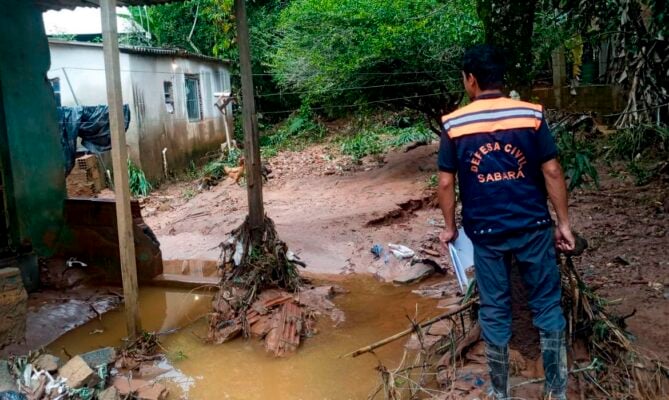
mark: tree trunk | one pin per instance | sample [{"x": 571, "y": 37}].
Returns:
[{"x": 509, "y": 25}]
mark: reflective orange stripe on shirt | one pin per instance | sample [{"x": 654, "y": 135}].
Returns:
[{"x": 491, "y": 115}]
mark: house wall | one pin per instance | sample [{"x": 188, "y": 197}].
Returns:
[
  {"x": 184, "y": 140},
  {"x": 80, "y": 69},
  {"x": 31, "y": 155},
  {"x": 81, "y": 72}
]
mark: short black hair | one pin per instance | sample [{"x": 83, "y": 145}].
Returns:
[{"x": 487, "y": 64}]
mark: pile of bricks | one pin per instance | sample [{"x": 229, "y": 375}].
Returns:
[{"x": 85, "y": 179}]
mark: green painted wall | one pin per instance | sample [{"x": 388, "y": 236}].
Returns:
[{"x": 31, "y": 154}]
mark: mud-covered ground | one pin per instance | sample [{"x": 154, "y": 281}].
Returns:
[{"x": 323, "y": 205}]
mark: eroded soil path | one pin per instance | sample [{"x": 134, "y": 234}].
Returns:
[{"x": 321, "y": 217}]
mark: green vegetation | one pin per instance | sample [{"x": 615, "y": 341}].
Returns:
[
  {"x": 364, "y": 143},
  {"x": 295, "y": 133},
  {"x": 378, "y": 139},
  {"x": 433, "y": 181},
  {"x": 341, "y": 54},
  {"x": 139, "y": 185},
  {"x": 215, "y": 169},
  {"x": 414, "y": 134},
  {"x": 641, "y": 147},
  {"x": 177, "y": 356},
  {"x": 577, "y": 156},
  {"x": 188, "y": 193}
]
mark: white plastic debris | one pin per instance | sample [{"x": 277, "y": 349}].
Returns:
[
  {"x": 73, "y": 262},
  {"x": 239, "y": 252},
  {"x": 400, "y": 251}
]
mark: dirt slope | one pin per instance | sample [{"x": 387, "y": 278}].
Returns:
[{"x": 321, "y": 217}]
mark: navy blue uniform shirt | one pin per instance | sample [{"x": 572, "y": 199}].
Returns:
[{"x": 497, "y": 146}]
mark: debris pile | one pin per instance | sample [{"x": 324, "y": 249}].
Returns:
[
  {"x": 262, "y": 296},
  {"x": 104, "y": 374},
  {"x": 444, "y": 357}
]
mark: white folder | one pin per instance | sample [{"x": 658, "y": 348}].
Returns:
[{"x": 462, "y": 257}]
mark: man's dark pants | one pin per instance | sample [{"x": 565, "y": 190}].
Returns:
[{"x": 534, "y": 253}]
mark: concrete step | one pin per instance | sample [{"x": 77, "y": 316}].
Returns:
[
  {"x": 185, "y": 281},
  {"x": 191, "y": 267}
]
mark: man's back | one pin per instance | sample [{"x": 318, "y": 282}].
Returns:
[{"x": 497, "y": 146}]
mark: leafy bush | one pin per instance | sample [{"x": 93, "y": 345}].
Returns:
[
  {"x": 297, "y": 131},
  {"x": 364, "y": 143},
  {"x": 641, "y": 146},
  {"x": 412, "y": 134},
  {"x": 641, "y": 141},
  {"x": 139, "y": 185},
  {"x": 577, "y": 156}
]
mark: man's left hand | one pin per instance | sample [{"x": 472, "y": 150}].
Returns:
[{"x": 564, "y": 238}]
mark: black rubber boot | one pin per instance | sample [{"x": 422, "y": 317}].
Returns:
[
  {"x": 498, "y": 368},
  {"x": 554, "y": 353}
]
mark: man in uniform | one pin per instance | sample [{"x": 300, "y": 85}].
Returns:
[{"x": 505, "y": 158}]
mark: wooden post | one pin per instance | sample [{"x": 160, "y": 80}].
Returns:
[
  {"x": 126, "y": 240},
  {"x": 228, "y": 139},
  {"x": 251, "y": 137},
  {"x": 559, "y": 74}
]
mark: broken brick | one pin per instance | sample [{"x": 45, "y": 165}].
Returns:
[
  {"x": 139, "y": 388},
  {"x": 78, "y": 374}
]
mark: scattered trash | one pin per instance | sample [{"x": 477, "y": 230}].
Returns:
[
  {"x": 11, "y": 395},
  {"x": 74, "y": 263},
  {"x": 401, "y": 251},
  {"x": 377, "y": 250}
]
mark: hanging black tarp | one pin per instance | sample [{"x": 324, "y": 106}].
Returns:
[{"x": 91, "y": 124}]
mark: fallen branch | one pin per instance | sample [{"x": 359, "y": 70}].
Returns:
[
  {"x": 400, "y": 335},
  {"x": 593, "y": 366}
]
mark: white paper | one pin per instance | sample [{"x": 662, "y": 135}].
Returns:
[{"x": 462, "y": 257}]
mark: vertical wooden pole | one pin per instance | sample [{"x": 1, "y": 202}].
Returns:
[
  {"x": 251, "y": 137},
  {"x": 228, "y": 139},
  {"x": 559, "y": 74},
  {"x": 126, "y": 240}
]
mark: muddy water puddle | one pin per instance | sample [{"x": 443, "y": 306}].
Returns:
[{"x": 242, "y": 370}]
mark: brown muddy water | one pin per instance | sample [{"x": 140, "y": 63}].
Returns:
[{"x": 241, "y": 369}]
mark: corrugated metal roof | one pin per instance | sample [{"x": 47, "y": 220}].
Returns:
[
  {"x": 156, "y": 51},
  {"x": 71, "y": 4}
]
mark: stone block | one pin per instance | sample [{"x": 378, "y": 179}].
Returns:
[
  {"x": 78, "y": 374},
  {"x": 104, "y": 356},
  {"x": 417, "y": 273}
]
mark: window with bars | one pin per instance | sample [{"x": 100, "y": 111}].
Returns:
[{"x": 193, "y": 98}]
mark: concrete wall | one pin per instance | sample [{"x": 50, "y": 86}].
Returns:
[
  {"x": 31, "y": 154},
  {"x": 152, "y": 128},
  {"x": 599, "y": 99}
]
